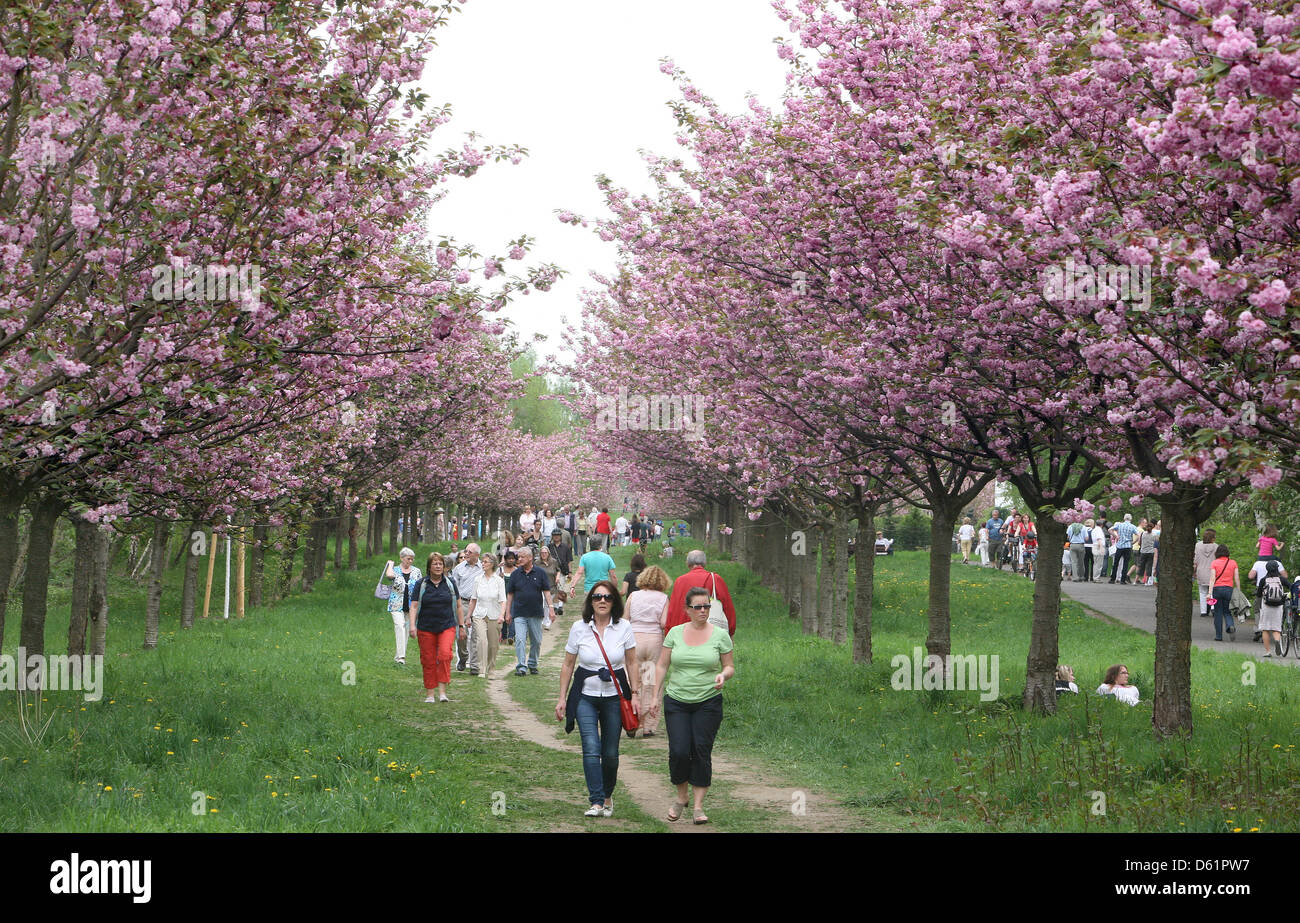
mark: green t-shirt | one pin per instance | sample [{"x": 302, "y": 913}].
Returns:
[{"x": 692, "y": 669}]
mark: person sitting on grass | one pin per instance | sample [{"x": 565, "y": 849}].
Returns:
[
  {"x": 1116, "y": 684},
  {"x": 1065, "y": 680}
]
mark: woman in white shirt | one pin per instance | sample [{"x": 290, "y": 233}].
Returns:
[
  {"x": 526, "y": 520},
  {"x": 485, "y": 605},
  {"x": 647, "y": 611},
  {"x": 983, "y": 547},
  {"x": 593, "y": 700},
  {"x": 548, "y": 523},
  {"x": 1116, "y": 684}
]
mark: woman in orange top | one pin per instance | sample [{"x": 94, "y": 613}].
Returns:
[{"x": 1226, "y": 576}]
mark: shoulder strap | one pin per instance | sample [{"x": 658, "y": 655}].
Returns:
[
  {"x": 713, "y": 583},
  {"x": 612, "y": 675},
  {"x": 1220, "y": 573}
]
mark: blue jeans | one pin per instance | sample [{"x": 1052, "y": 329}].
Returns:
[
  {"x": 599, "y": 723},
  {"x": 1222, "y": 611},
  {"x": 528, "y": 631}
]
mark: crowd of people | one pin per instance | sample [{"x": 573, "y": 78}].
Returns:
[{"x": 646, "y": 649}]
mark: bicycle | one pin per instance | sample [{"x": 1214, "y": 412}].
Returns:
[{"x": 1291, "y": 627}]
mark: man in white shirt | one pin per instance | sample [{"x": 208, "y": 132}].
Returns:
[
  {"x": 1098, "y": 551},
  {"x": 466, "y": 574},
  {"x": 965, "y": 535},
  {"x": 620, "y": 527}
]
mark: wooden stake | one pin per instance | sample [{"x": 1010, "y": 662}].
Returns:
[
  {"x": 212, "y": 563},
  {"x": 239, "y": 576}
]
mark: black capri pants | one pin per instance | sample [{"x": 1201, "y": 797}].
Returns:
[{"x": 692, "y": 726}]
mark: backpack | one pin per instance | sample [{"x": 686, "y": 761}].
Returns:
[{"x": 1274, "y": 592}]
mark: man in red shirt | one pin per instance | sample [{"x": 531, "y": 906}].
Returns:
[
  {"x": 698, "y": 575},
  {"x": 602, "y": 524}
]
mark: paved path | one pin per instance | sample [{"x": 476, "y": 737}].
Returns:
[{"x": 1136, "y": 606}]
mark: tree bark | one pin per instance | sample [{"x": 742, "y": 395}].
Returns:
[
  {"x": 826, "y": 583},
  {"x": 195, "y": 550},
  {"x": 258, "y": 564},
  {"x": 354, "y": 526},
  {"x": 1172, "y": 699},
  {"x": 864, "y": 575},
  {"x": 83, "y": 563},
  {"x": 45, "y": 514},
  {"x": 99, "y": 594},
  {"x": 1044, "y": 647},
  {"x": 939, "y": 639},
  {"x": 808, "y": 579},
  {"x": 393, "y": 515},
  {"x": 839, "y": 623},
  {"x": 10, "y": 509},
  {"x": 287, "y": 560},
  {"x": 339, "y": 510},
  {"x": 157, "y": 564}
]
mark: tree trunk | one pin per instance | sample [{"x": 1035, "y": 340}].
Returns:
[
  {"x": 287, "y": 560},
  {"x": 790, "y": 572},
  {"x": 322, "y": 540},
  {"x": 393, "y": 515},
  {"x": 10, "y": 509},
  {"x": 839, "y": 623},
  {"x": 354, "y": 526},
  {"x": 808, "y": 580},
  {"x": 826, "y": 583},
  {"x": 258, "y": 564},
  {"x": 339, "y": 510},
  {"x": 1172, "y": 699},
  {"x": 939, "y": 639},
  {"x": 157, "y": 564},
  {"x": 864, "y": 575},
  {"x": 1044, "y": 650},
  {"x": 194, "y": 545},
  {"x": 83, "y": 563},
  {"x": 99, "y": 593},
  {"x": 45, "y": 514}
]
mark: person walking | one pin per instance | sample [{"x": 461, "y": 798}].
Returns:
[
  {"x": 1146, "y": 554},
  {"x": 620, "y": 529},
  {"x": 485, "y": 608},
  {"x": 983, "y": 548},
  {"x": 466, "y": 575},
  {"x": 646, "y": 609},
  {"x": 698, "y": 575},
  {"x": 1078, "y": 535},
  {"x": 695, "y": 663},
  {"x": 1102, "y": 548},
  {"x": 965, "y": 535},
  {"x": 1226, "y": 577},
  {"x": 1124, "y": 533},
  {"x": 634, "y": 571},
  {"x": 528, "y": 595},
  {"x": 1203, "y": 561},
  {"x": 580, "y": 541},
  {"x": 509, "y": 564},
  {"x": 1273, "y": 590},
  {"x": 604, "y": 526},
  {"x": 588, "y": 694},
  {"x": 399, "y": 597},
  {"x": 434, "y": 625},
  {"x": 593, "y": 567},
  {"x": 995, "y": 526},
  {"x": 546, "y": 562}
]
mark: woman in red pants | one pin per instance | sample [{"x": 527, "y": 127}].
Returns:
[{"x": 434, "y": 624}]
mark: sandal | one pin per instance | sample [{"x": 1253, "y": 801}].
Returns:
[
  {"x": 675, "y": 812},
  {"x": 701, "y": 817}
]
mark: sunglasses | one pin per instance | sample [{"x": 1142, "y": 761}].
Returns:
[
  {"x": 602, "y": 597},
  {"x": 701, "y": 608}
]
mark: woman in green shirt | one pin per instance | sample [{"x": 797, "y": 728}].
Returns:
[{"x": 697, "y": 660}]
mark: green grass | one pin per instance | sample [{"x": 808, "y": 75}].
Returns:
[{"x": 255, "y": 715}]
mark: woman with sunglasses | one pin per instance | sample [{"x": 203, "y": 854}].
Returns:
[
  {"x": 592, "y": 699},
  {"x": 697, "y": 660}
]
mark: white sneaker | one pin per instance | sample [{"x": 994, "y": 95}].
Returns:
[
  {"x": 594, "y": 811},
  {"x": 432, "y": 698},
  {"x": 609, "y": 809}
]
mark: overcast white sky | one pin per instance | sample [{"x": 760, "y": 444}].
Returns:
[{"x": 577, "y": 82}]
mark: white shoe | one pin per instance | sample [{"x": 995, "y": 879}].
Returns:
[
  {"x": 444, "y": 699},
  {"x": 594, "y": 811},
  {"x": 432, "y": 698},
  {"x": 609, "y": 809}
]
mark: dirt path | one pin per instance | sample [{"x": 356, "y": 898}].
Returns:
[{"x": 643, "y": 769}]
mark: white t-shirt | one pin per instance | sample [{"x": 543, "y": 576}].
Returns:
[
  {"x": 491, "y": 595},
  {"x": 526, "y": 521},
  {"x": 966, "y": 532},
  {"x": 617, "y": 638},
  {"x": 548, "y": 526},
  {"x": 1259, "y": 570},
  {"x": 1126, "y": 694},
  {"x": 984, "y": 536},
  {"x": 1098, "y": 540},
  {"x": 620, "y": 525}
]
